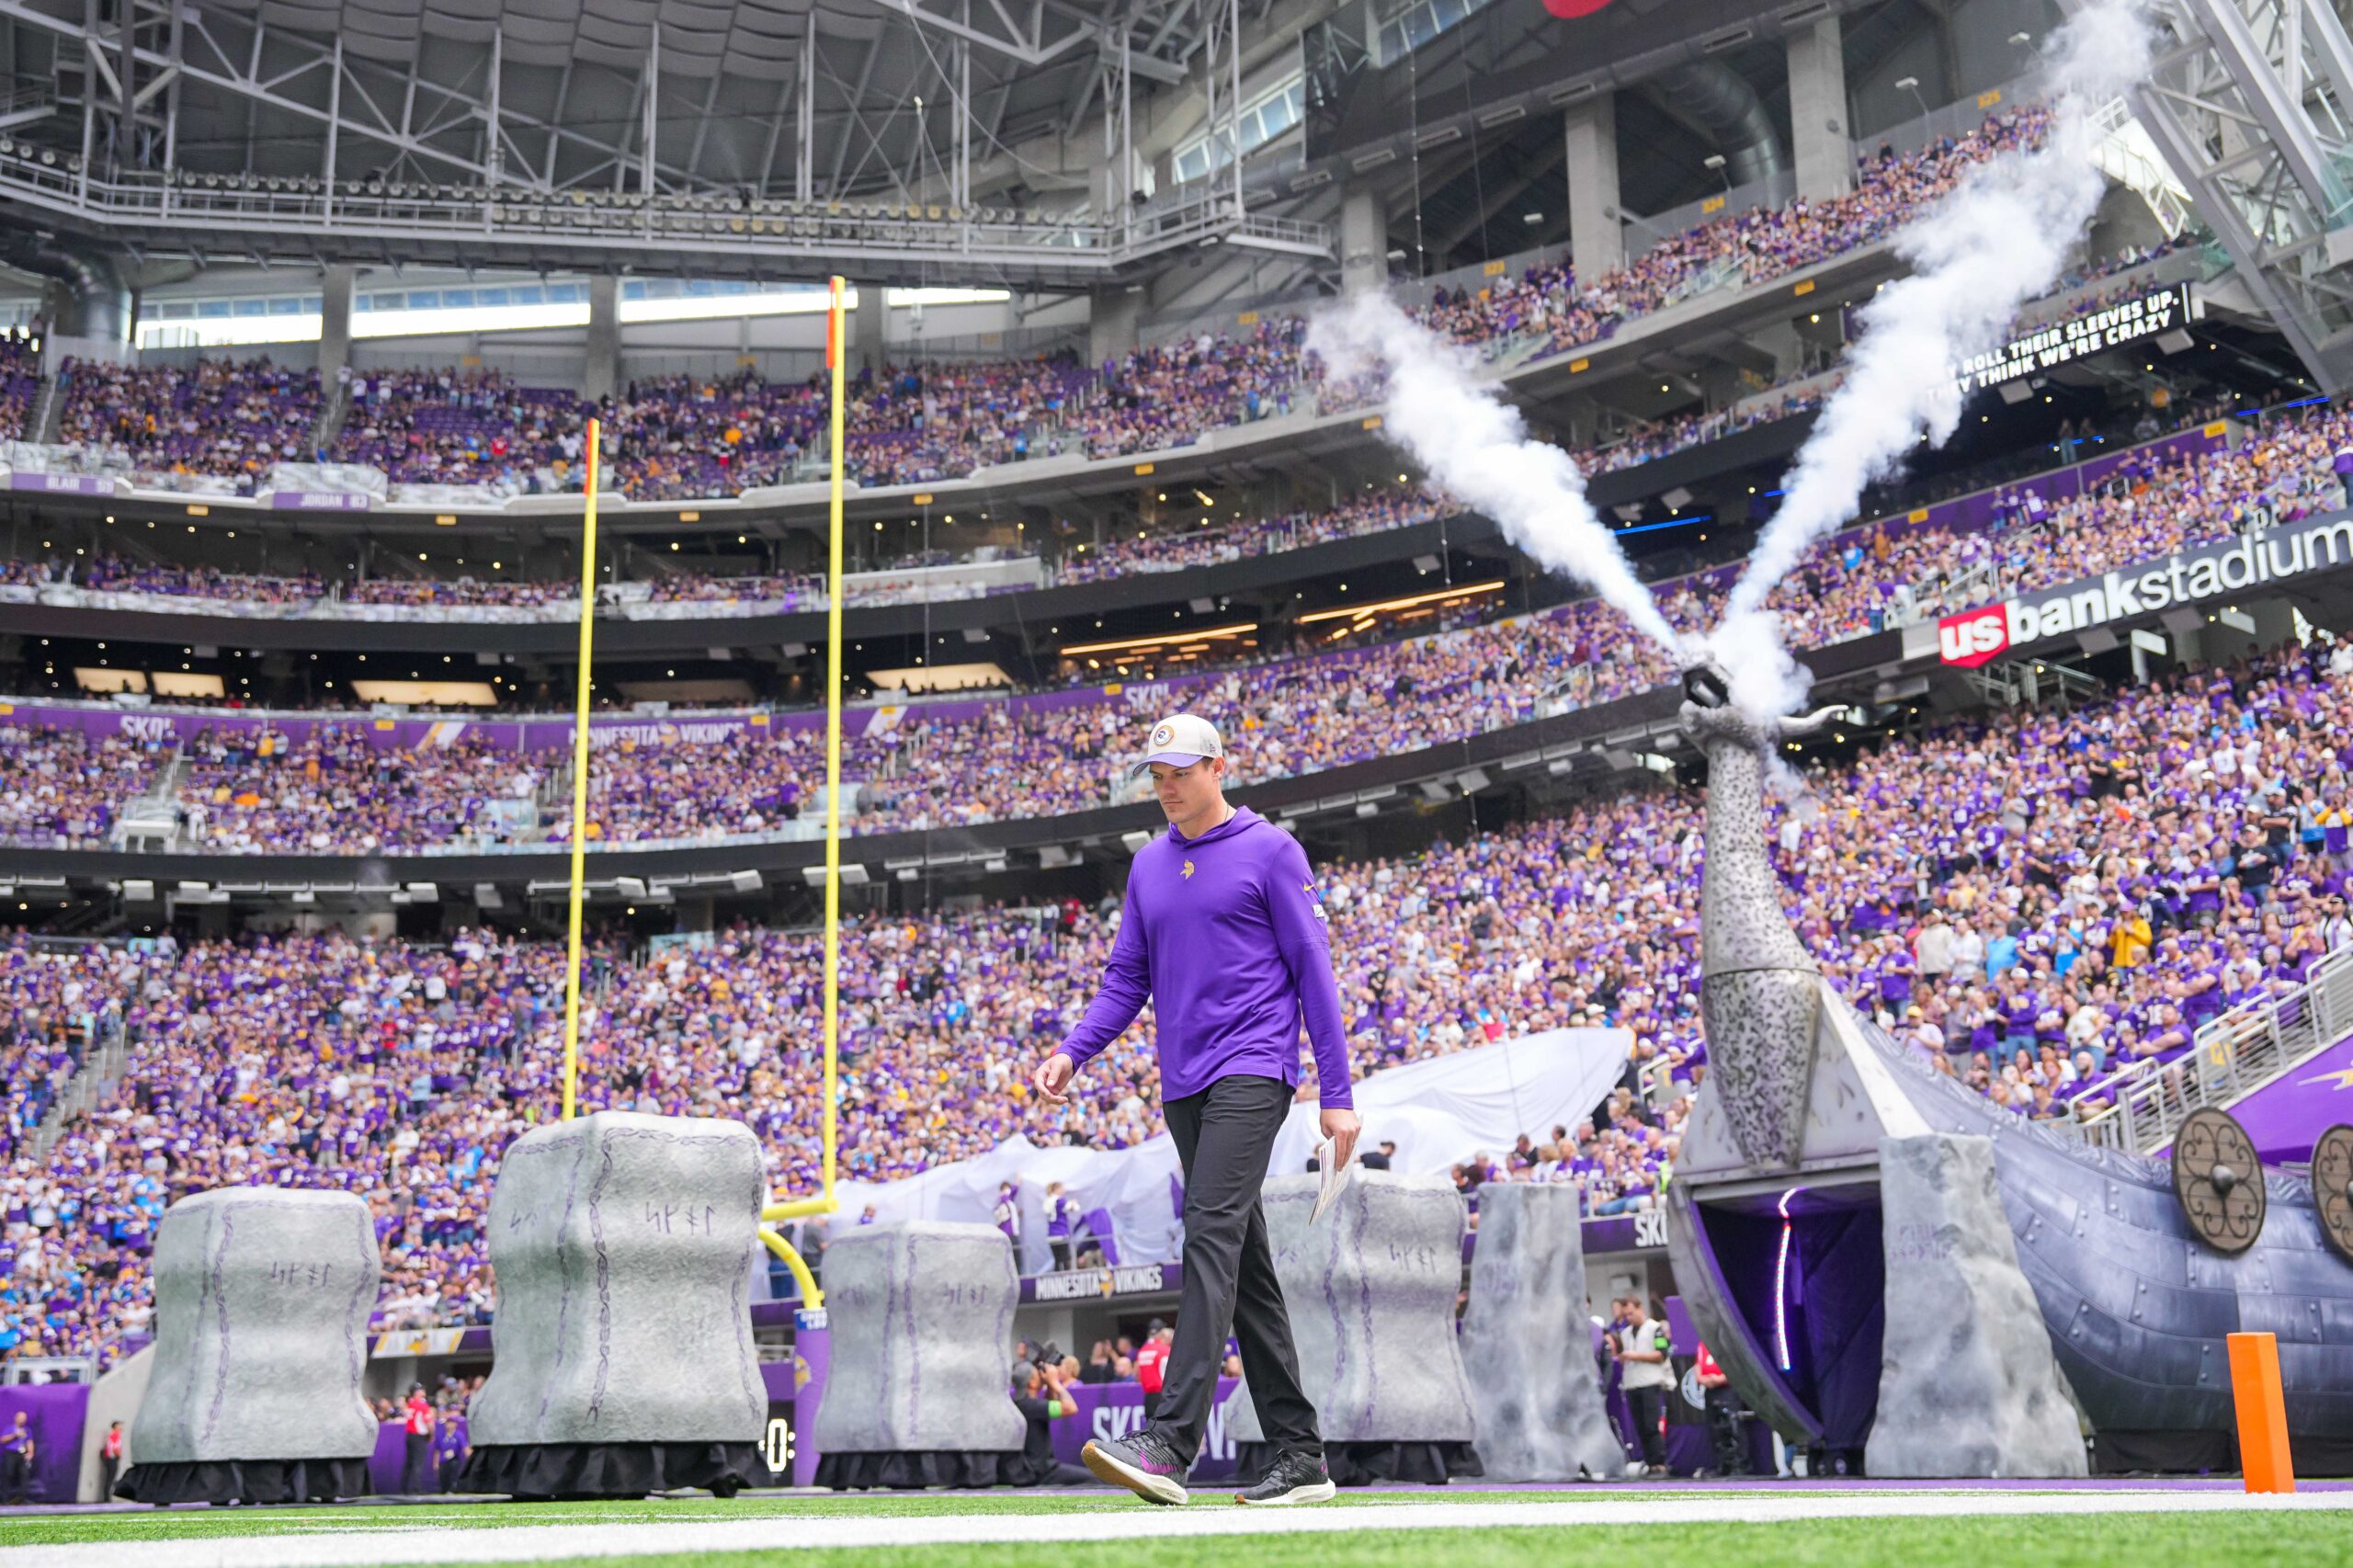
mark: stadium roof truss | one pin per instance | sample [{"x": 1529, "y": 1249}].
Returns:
[
  {"x": 756, "y": 137},
  {"x": 2250, "y": 103}
]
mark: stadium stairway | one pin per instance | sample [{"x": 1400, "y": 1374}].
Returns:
[
  {"x": 2238, "y": 1057},
  {"x": 48, "y": 416},
  {"x": 2127, "y": 155},
  {"x": 333, "y": 408},
  {"x": 152, "y": 819},
  {"x": 84, "y": 1089}
]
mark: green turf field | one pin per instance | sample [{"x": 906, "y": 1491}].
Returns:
[
  {"x": 202, "y": 1524},
  {"x": 2134, "y": 1541},
  {"x": 2228, "y": 1539}
]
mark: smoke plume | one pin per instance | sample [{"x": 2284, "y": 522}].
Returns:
[
  {"x": 1477, "y": 450},
  {"x": 1999, "y": 239}
]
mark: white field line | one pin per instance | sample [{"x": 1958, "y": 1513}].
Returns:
[{"x": 540, "y": 1543}]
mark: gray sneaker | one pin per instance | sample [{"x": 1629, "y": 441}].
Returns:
[
  {"x": 1293, "y": 1477},
  {"x": 1145, "y": 1464}
]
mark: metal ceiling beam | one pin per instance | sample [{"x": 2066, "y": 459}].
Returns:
[
  {"x": 563, "y": 98},
  {"x": 2247, "y": 103},
  {"x": 1026, "y": 45},
  {"x": 248, "y": 82},
  {"x": 431, "y": 130},
  {"x": 855, "y": 97},
  {"x": 666, "y": 234}
]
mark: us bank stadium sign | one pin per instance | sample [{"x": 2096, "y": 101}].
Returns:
[
  {"x": 2264, "y": 555},
  {"x": 1078, "y": 1285},
  {"x": 2160, "y": 310}
]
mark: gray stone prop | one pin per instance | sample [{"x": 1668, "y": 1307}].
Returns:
[
  {"x": 1539, "y": 1416},
  {"x": 2135, "y": 1308},
  {"x": 1967, "y": 1383},
  {"x": 1371, "y": 1293},
  {"x": 1758, "y": 985},
  {"x": 624, "y": 1246},
  {"x": 262, "y": 1296},
  {"x": 921, "y": 1313}
]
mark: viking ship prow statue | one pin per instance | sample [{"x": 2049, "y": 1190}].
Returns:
[
  {"x": 1759, "y": 989},
  {"x": 1894, "y": 1270}
]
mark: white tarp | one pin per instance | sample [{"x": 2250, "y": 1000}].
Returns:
[{"x": 1437, "y": 1112}]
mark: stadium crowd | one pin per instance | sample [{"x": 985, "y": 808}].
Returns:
[
  {"x": 957, "y": 765},
  {"x": 2034, "y": 901},
  {"x": 333, "y": 791},
  {"x": 233, "y": 419},
  {"x": 112, "y": 574},
  {"x": 678, "y": 437},
  {"x": 448, "y": 426},
  {"x": 19, "y": 382},
  {"x": 63, "y": 788},
  {"x": 1247, "y": 537},
  {"x": 470, "y": 596}
]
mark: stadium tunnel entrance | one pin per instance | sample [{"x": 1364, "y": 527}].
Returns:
[{"x": 1801, "y": 1273}]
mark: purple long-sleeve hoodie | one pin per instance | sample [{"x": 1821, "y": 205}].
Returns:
[{"x": 1226, "y": 934}]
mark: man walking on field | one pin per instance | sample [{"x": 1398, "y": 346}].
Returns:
[{"x": 1224, "y": 929}]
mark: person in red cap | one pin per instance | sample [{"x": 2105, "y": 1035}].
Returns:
[
  {"x": 1723, "y": 1414},
  {"x": 1152, "y": 1364},
  {"x": 416, "y": 1425}
]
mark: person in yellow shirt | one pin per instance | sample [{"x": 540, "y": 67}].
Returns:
[{"x": 2129, "y": 941}]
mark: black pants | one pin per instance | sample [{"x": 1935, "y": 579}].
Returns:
[
  {"x": 16, "y": 1477},
  {"x": 113, "y": 1473},
  {"x": 1223, "y": 1136},
  {"x": 1060, "y": 1247},
  {"x": 1648, "y": 1408},
  {"x": 416, "y": 1461},
  {"x": 1723, "y": 1432}
]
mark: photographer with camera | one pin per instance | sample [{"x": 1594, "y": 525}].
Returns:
[{"x": 1043, "y": 1396}]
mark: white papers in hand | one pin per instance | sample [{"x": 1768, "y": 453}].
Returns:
[{"x": 1335, "y": 1176}]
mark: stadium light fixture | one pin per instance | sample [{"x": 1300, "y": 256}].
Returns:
[
  {"x": 1781, "y": 1286},
  {"x": 1409, "y": 602},
  {"x": 1138, "y": 645}
]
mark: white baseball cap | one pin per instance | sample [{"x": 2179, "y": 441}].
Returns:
[{"x": 1180, "y": 739}]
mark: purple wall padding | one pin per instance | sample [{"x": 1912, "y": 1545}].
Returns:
[
  {"x": 55, "y": 1412},
  {"x": 2287, "y": 1116}
]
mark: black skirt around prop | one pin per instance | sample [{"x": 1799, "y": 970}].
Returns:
[
  {"x": 244, "y": 1480},
  {"x": 913, "y": 1471},
  {"x": 568, "y": 1471},
  {"x": 1361, "y": 1464}
]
